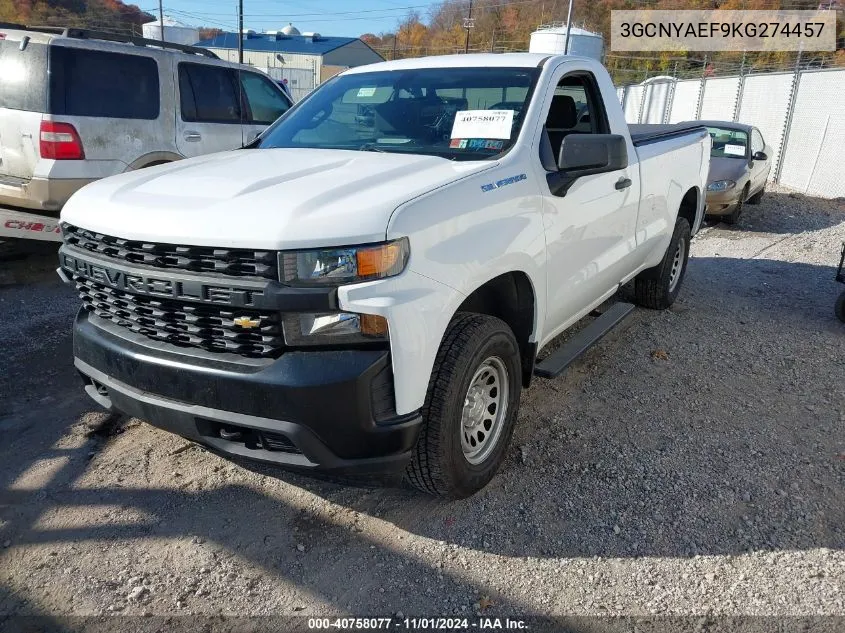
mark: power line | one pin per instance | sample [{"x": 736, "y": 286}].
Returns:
[{"x": 491, "y": 4}]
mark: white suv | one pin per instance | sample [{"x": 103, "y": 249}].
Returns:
[{"x": 77, "y": 105}]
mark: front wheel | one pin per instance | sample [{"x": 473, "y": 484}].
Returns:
[
  {"x": 470, "y": 409},
  {"x": 733, "y": 216},
  {"x": 658, "y": 287}
]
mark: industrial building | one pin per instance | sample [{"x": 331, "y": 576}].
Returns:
[{"x": 303, "y": 60}]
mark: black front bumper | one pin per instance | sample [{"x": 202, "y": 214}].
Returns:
[{"x": 308, "y": 410}]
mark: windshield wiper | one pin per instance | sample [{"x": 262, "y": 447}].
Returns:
[{"x": 372, "y": 147}]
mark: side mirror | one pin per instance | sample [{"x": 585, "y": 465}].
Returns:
[
  {"x": 585, "y": 154},
  {"x": 760, "y": 156}
]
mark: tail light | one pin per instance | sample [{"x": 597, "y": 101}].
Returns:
[{"x": 60, "y": 141}]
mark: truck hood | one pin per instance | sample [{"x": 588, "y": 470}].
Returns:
[{"x": 271, "y": 199}]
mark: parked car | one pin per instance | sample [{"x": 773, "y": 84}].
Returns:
[
  {"x": 383, "y": 319},
  {"x": 111, "y": 104},
  {"x": 739, "y": 168}
]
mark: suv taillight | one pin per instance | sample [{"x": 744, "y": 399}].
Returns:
[{"x": 60, "y": 141}]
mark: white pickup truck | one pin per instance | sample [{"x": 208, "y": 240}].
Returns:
[{"x": 365, "y": 289}]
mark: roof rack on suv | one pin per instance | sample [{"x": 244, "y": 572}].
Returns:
[{"x": 87, "y": 34}]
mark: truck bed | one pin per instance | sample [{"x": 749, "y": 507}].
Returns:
[{"x": 645, "y": 133}]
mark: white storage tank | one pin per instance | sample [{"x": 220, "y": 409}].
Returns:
[
  {"x": 551, "y": 40},
  {"x": 174, "y": 31}
]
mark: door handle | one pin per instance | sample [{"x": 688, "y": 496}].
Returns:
[
  {"x": 623, "y": 183},
  {"x": 193, "y": 136}
]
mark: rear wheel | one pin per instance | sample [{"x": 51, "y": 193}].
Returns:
[
  {"x": 470, "y": 409},
  {"x": 658, "y": 287}
]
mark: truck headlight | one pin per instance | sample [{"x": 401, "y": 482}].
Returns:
[
  {"x": 338, "y": 328},
  {"x": 721, "y": 185},
  {"x": 338, "y": 266}
]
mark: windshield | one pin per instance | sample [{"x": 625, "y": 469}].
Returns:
[
  {"x": 456, "y": 113},
  {"x": 728, "y": 143}
]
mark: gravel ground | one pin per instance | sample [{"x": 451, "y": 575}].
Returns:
[{"x": 691, "y": 464}]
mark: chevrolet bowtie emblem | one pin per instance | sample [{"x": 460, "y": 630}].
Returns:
[{"x": 246, "y": 322}]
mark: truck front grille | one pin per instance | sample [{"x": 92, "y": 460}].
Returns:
[
  {"x": 200, "y": 259},
  {"x": 185, "y": 324}
]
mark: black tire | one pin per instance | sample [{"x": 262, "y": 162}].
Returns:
[
  {"x": 758, "y": 197},
  {"x": 840, "y": 307},
  {"x": 12, "y": 248},
  {"x": 440, "y": 466},
  {"x": 654, "y": 288},
  {"x": 733, "y": 216}
]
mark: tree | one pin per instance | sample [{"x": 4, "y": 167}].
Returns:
[
  {"x": 507, "y": 26},
  {"x": 106, "y": 15},
  {"x": 208, "y": 33}
]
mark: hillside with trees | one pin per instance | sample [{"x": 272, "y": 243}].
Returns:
[
  {"x": 104, "y": 15},
  {"x": 503, "y": 26}
]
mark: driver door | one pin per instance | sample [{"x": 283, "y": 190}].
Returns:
[
  {"x": 590, "y": 229},
  {"x": 759, "y": 168}
]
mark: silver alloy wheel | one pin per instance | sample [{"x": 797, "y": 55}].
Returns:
[
  {"x": 677, "y": 264},
  {"x": 485, "y": 408}
]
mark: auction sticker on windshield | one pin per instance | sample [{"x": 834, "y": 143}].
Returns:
[
  {"x": 735, "y": 150},
  {"x": 483, "y": 124}
]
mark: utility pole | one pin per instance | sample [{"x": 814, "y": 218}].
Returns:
[
  {"x": 468, "y": 24},
  {"x": 160, "y": 21},
  {"x": 395, "y": 37},
  {"x": 240, "y": 31},
  {"x": 568, "y": 28}
]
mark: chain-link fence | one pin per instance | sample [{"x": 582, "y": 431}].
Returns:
[{"x": 801, "y": 115}]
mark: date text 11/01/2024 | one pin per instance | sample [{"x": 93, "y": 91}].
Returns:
[{"x": 417, "y": 624}]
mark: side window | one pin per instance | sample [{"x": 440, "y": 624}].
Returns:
[
  {"x": 187, "y": 102},
  {"x": 266, "y": 102},
  {"x": 23, "y": 84},
  {"x": 208, "y": 94},
  {"x": 575, "y": 109},
  {"x": 96, "y": 83},
  {"x": 757, "y": 144}
]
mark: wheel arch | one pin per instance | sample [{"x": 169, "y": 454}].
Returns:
[
  {"x": 510, "y": 297},
  {"x": 153, "y": 158},
  {"x": 689, "y": 206}
]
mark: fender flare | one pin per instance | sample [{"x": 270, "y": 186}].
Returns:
[{"x": 153, "y": 158}]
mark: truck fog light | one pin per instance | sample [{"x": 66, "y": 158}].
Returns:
[{"x": 335, "y": 328}]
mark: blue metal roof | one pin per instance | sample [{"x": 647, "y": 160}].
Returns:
[{"x": 301, "y": 44}]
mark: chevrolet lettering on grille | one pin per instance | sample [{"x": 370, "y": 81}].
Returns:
[{"x": 159, "y": 285}]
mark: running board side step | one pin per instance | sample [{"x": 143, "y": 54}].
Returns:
[{"x": 553, "y": 365}]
